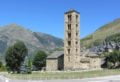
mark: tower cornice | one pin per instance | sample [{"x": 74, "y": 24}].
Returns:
[{"x": 71, "y": 11}]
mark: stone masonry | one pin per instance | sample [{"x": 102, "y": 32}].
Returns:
[{"x": 72, "y": 40}]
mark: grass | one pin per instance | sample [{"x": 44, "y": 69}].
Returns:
[{"x": 62, "y": 75}]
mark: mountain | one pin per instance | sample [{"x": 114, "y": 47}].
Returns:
[
  {"x": 49, "y": 42},
  {"x": 101, "y": 34},
  {"x": 34, "y": 41}
]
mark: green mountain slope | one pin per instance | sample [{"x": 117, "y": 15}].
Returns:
[
  {"x": 99, "y": 35},
  {"x": 34, "y": 41}
]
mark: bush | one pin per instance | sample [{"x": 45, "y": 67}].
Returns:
[
  {"x": 26, "y": 67},
  {"x": 1, "y": 64},
  {"x": 112, "y": 60},
  {"x": 39, "y": 60},
  {"x": 2, "y": 67}
]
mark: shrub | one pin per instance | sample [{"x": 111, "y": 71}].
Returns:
[
  {"x": 112, "y": 59},
  {"x": 39, "y": 60}
]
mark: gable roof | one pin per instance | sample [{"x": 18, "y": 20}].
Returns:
[
  {"x": 85, "y": 60},
  {"x": 55, "y": 55},
  {"x": 92, "y": 54}
]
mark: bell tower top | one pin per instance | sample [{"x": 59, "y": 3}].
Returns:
[{"x": 71, "y": 11}]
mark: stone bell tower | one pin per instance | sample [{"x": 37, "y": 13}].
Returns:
[{"x": 72, "y": 40}]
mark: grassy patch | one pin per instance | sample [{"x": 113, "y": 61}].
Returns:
[{"x": 62, "y": 75}]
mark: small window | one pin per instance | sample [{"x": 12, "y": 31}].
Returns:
[
  {"x": 69, "y": 26},
  {"x": 76, "y": 50},
  {"x": 76, "y": 17},
  {"x": 76, "y": 42},
  {"x": 69, "y": 58},
  {"x": 68, "y": 51},
  {"x": 76, "y": 34},
  {"x": 69, "y": 17},
  {"x": 69, "y": 35},
  {"x": 69, "y": 43},
  {"x": 76, "y": 25}
]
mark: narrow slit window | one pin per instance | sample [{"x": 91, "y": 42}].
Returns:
[
  {"x": 68, "y": 51},
  {"x": 69, "y": 58},
  {"x": 76, "y": 34},
  {"x": 69, "y": 43},
  {"x": 76, "y": 25},
  {"x": 69, "y": 17},
  {"x": 76, "y": 42},
  {"x": 69, "y": 35},
  {"x": 69, "y": 26},
  {"x": 76, "y": 50},
  {"x": 76, "y": 18}
]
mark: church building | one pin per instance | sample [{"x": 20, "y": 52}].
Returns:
[{"x": 72, "y": 58}]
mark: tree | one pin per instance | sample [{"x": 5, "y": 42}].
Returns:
[
  {"x": 15, "y": 56},
  {"x": 39, "y": 60},
  {"x": 2, "y": 67},
  {"x": 1, "y": 64},
  {"x": 26, "y": 67},
  {"x": 112, "y": 59},
  {"x": 30, "y": 64}
]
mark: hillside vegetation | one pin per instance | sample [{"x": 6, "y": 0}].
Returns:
[
  {"x": 34, "y": 41},
  {"x": 100, "y": 34}
]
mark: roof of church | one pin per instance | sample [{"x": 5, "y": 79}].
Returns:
[
  {"x": 85, "y": 60},
  {"x": 55, "y": 55},
  {"x": 72, "y": 10},
  {"x": 92, "y": 54},
  {"x": 88, "y": 53}
]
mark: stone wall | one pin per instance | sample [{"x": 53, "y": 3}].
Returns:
[
  {"x": 61, "y": 63},
  {"x": 95, "y": 63},
  {"x": 51, "y": 64}
]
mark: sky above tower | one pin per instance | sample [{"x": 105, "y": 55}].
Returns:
[{"x": 48, "y": 15}]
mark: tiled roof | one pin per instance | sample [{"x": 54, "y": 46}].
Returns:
[
  {"x": 55, "y": 54},
  {"x": 92, "y": 54},
  {"x": 85, "y": 60}
]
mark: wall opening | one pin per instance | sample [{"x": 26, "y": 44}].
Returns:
[
  {"x": 69, "y": 26},
  {"x": 76, "y": 18},
  {"x": 68, "y": 51},
  {"x": 69, "y": 18},
  {"x": 69, "y": 43},
  {"x": 69, "y": 35}
]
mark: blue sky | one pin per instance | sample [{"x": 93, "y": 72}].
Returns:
[{"x": 48, "y": 15}]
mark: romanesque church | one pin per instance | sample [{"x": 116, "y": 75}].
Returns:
[{"x": 72, "y": 58}]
